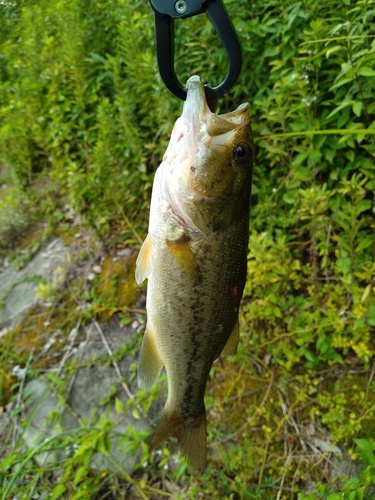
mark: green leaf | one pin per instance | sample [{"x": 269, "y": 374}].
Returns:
[
  {"x": 369, "y": 149},
  {"x": 329, "y": 155},
  {"x": 302, "y": 173},
  {"x": 366, "y": 71},
  {"x": 340, "y": 83},
  {"x": 81, "y": 472},
  {"x": 97, "y": 58},
  {"x": 104, "y": 444},
  {"x": 352, "y": 483},
  {"x": 340, "y": 107},
  {"x": 357, "y": 107},
  {"x": 335, "y": 496},
  {"x": 82, "y": 494},
  {"x": 291, "y": 196},
  {"x": 371, "y": 315},
  {"x": 277, "y": 312},
  {"x": 341, "y": 241},
  {"x": 119, "y": 407},
  {"x": 366, "y": 450},
  {"x": 334, "y": 49},
  {"x": 309, "y": 355},
  {"x": 300, "y": 158},
  {"x": 58, "y": 490},
  {"x": 364, "y": 243},
  {"x": 363, "y": 206}
]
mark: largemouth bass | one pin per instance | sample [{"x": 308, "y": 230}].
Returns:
[{"x": 195, "y": 258}]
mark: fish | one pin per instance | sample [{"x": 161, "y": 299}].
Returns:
[{"x": 195, "y": 258}]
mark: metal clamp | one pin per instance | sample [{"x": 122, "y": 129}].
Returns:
[{"x": 166, "y": 11}]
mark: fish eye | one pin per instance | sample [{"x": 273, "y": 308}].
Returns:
[{"x": 242, "y": 153}]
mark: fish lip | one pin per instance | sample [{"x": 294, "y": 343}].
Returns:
[
  {"x": 195, "y": 107},
  {"x": 201, "y": 127},
  {"x": 195, "y": 114}
]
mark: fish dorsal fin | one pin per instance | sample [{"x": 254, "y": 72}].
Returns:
[
  {"x": 150, "y": 363},
  {"x": 184, "y": 257},
  {"x": 143, "y": 268},
  {"x": 232, "y": 343}
]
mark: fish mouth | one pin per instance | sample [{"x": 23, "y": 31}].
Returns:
[
  {"x": 204, "y": 129},
  {"x": 199, "y": 157}
]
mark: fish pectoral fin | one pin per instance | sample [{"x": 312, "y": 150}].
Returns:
[
  {"x": 191, "y": 436},
  {"x": 150, "y": 363},
  {"x": 184, "y": 257},
  {"x": 143, "y": 268},
  {"x": 232, "y": 343}
]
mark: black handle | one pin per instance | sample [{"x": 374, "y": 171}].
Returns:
[{"x": 165, "y": 13}]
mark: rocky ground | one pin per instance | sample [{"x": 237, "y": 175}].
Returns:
[{"x": 29, "y": 303}]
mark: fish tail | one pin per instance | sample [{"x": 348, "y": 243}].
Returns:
[
  {"x": 190, "y": 434},
  {"x": 192, "y": 441}
]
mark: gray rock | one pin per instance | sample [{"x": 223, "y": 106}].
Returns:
[
  {"x": 84, "y": 391},
  {"x": 51, "y": 263},
  {"x": 51, "y": 408},
  {"x": 41, "y": 403}
]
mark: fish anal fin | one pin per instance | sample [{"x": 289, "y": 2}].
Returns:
[
  {"x": 191, "y": 436},
  {"x": 143, "y": 268},
  {"x": 232, "y": 343},
  {"x": 150, "y": 363},
  {"x": 184, "y": 257}
]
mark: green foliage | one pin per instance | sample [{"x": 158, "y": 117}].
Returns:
[
  {"x": 84, "y": 123},
  {"x": 312, "y": 244},
  {"x": 74, "y": 105}
]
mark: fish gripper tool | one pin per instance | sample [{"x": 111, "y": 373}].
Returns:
[{"x": 166, "y": 11}]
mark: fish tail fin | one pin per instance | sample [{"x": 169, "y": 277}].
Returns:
[
  {"x": 191, "y": 436},
  {"x": 192, "y": 441}
]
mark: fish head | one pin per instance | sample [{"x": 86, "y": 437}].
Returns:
[{"x": 212, "y": 163}]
